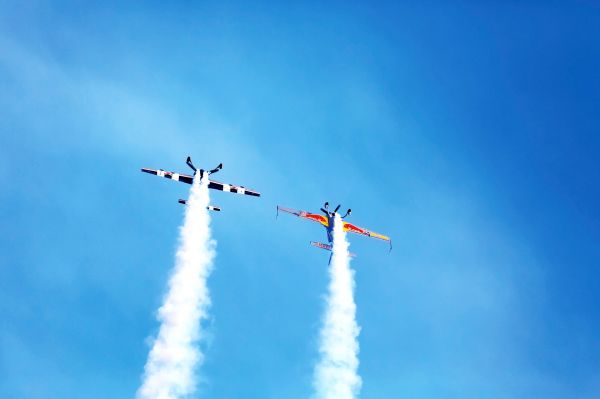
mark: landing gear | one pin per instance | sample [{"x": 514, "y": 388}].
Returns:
[
  {"x": 215, "y": 170},
  {"x": 326, "y": 211},
  {"x": 189, "y": 163}
]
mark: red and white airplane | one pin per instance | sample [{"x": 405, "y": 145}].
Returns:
[{"x": 215, "y": 185}]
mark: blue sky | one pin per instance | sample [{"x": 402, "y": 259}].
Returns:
[{"x": 466, "y": 131}]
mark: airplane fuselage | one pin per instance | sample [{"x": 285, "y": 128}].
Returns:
[{"x": 329, "y": 227}]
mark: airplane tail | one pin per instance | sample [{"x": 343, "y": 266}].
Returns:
[
  {"x": 321, "y": 245},
  {"x": 210, "y": 207},
  {"x": 326, "y": 247}
]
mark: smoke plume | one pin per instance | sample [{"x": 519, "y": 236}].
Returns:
[
  {"x": 170, "y": 370},
  {"x": 336, "y": 374}
]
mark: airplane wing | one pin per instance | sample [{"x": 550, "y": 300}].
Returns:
[
  {"x": 349, "y": 227},
  {"x": 170, "y": 175},
  {"x": 305, "y": 215},
  {"x": 215, "y": 185}
]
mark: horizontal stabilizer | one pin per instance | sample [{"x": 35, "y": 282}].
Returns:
[
  {"x": 327, "y": 247},
  {"x": 321, "y": 245},
  {"x": 210, "y": 207}
]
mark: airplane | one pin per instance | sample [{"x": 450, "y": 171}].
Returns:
[
  {"x": 328, "y": 221},
  {"x": 215, "y": 185}
]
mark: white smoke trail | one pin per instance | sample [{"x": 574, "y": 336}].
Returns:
[
  {"x": 170, "y": 368},
  {"x": 336, "y": 374}
]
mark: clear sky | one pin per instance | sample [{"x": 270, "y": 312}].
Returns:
[{"x": 468, "y": 131}]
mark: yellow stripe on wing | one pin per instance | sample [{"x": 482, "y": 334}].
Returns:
[{"x": 380, "y": 236}]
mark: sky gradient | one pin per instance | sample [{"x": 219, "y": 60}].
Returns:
[{"x": 466, "y": 131}]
